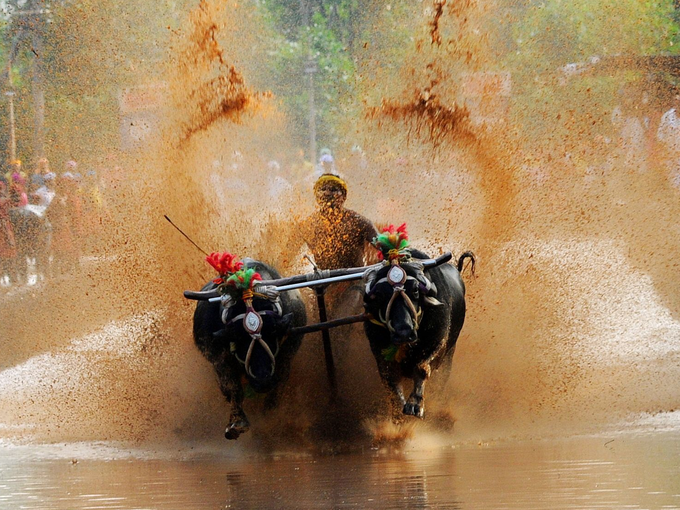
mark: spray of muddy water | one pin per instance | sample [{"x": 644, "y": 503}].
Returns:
[
  {"x": 551, "y": 316},
  {"x": 572, "y": 318}
]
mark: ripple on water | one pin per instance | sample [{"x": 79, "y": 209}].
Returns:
[{"x": 635, "y": 471}]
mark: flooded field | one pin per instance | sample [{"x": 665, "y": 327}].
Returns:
[
  {"x": 633, "y": 467},
  {"x": 125, "y": 418}
]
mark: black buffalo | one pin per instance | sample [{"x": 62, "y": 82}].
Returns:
[
  {"x": 415, "y": 326},
  {"x": 249, "y": 362}
]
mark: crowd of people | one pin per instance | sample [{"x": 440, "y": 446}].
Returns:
[
  {"x": 48, "y": 219},
  {"x": 646, "y": 131}
]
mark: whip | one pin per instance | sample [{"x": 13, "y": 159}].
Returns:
[{"x": 187, "y": 237}]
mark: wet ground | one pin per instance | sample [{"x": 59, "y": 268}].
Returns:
[
  {"x": 567, "y": 402},
  {"x": 632, "y": 466},
  {"x": 564, "y": 392}
]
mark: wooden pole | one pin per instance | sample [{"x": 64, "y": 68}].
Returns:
[
  {"x": 333, "y": 323},
  {"x": 327, "y": 349},
  {"x": 12, "y": 129}
]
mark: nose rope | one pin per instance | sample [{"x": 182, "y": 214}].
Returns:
[
  {"x": 416, "y": 315},
  {"x": 248, "y": 354},
  {"x": 264, "y": 345},
  {"x": 409, "y": 304},
  {"x": 255, "y": 336}
]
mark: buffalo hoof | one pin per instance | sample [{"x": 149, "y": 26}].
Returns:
[
  {"x": 413, "y": 409},
  {"x": 236, "y": 429}
]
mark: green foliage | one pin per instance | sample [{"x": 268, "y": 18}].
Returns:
[
  {"x": 322, "y": 47},
  {"x": 572, "y": 31},
  {"x": 86, "y": 51},
  {"x": 347, "y": 40},
  {"x": 554, "y": 104},
  {"x": 359, "y": 49}
]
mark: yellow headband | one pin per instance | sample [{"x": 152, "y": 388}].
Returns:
[{"x": 330, "y": 178}]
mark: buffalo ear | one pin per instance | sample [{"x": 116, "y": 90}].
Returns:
[
  {"x": 427, "y": 286},
  {"x": 285, "y": 321},
  {"x": 430, "y": 301}
]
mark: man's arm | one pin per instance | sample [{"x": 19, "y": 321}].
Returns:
[
  {"x": 301, "y": 238},
  {"x": 368, "y": 233}
]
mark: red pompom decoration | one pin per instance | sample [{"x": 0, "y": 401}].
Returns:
[{"x": 224, "y": 263}]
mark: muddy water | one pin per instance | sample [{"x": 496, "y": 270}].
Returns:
[{"x": 634, "y": 469}]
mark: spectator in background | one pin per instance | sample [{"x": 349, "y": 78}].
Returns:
[
  {"x": 65, "y": 214},
  {"x": 44, "y": 194},
  {"x": 15, "y": 167},
  {"x": 71, "y": 166},
  {"x": 42, "y": 167},
  {"x": 327, "y": 164},
  {"x": 668, "y": 141},
  {"x": 18, "y": 194},
  {"x": 630, "y": 124},
  {"x": 278, "y": 187},
  {"x": 8, "y": 252}
]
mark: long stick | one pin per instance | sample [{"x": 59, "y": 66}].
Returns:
[
  {"x": 327, "y": 349},
  {"x": 312, "y": 328},
  {"x": 188, "y": 238},
  {"x": 311, "y": 279}
]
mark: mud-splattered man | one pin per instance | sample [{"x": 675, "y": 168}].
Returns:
[{"x": 338, "y": 237}]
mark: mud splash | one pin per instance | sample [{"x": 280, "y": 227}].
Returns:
[
  {"x": 209, "y": 88},
  {"x": 426, "y": 112},
  {"x": 572, "y": 318},
  {"x": 431, "y": 110}
]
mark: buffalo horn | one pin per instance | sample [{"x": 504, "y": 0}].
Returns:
[
  {"x": 201, "y": 295},
  {"x": 429, "y": 300}
]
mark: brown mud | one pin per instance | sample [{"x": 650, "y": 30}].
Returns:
[
  {"x": 572, "y": 317},
  {"x": 210, "y": 88}
]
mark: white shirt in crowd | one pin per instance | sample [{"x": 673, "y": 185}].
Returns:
[{"x": 669, "y": 135}]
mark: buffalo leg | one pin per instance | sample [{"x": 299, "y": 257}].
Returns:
[
  {"x": 271, "y": 401},
  {"x": 391, "y": 377},
  {"x": 238, "y": 423},
  {"x": 416, "y": 404},
  {"x": 233, "y": 391}
]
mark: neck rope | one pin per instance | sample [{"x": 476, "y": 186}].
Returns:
[
  {"x": 252, "y": 322},
  {"x": 397, "y": 278}
]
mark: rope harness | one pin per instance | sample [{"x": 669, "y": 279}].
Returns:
[
  {"x": 397, "y": 278},
  {"x": 252, "y": 321}
]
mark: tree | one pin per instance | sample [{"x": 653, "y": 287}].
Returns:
[
  {"x": 319, "y": 37},
  {"x": 555, "y": 33},
  {"x": 89, "y": 49}
]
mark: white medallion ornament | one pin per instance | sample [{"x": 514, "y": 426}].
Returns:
[
  {"x": 252, "y": 322},
  {"x": 396, "y": 275}
]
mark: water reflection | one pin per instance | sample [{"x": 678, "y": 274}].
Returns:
[{"x": 578, "y": 473}]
